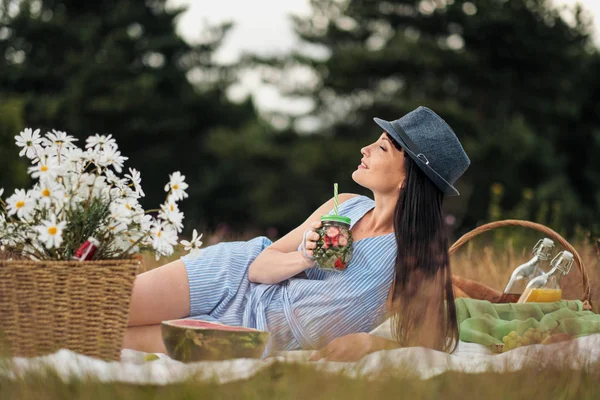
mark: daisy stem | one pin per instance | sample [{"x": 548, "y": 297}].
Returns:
[
  {"x": 87, "y": 203},
  {"x": 37, "y": 154},
  {"x": 11, "y": 249}
]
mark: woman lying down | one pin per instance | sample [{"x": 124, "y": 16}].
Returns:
[{"x": 400, "y": 264}]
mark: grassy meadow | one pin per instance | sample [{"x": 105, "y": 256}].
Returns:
[{"x": 489, "y": 260}]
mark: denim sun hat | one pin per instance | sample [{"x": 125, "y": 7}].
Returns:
[{"x": 432, "y": 144}]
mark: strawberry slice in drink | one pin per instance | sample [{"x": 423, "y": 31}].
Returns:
[
  {"x": 339, "y": 264},
  {"x": 343, "y": 240},
  {"x": 326, "y": 242},
  {"x": 335, "y": 240},
  {"x": 333, "y": 231}
]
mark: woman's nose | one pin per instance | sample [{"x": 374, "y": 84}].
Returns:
[{"x": 363, "y": 151}]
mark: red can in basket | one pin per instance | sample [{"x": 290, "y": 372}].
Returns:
[{"x": 86, "y": 250}]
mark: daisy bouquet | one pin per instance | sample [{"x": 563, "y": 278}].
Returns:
[{"x": 79, "y": 193}]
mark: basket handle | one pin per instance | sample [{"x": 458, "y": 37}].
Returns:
[{"x": 546, "y": 231}]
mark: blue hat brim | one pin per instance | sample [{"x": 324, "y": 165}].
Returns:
[{"x": 431, "y": 173}]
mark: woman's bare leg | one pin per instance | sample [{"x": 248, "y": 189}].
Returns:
[
  {"x": 160, "y": 294},
  {"x": 144, "y": 338}
]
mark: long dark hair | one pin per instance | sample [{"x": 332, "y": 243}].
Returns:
[{"x": 423, "y": 306}]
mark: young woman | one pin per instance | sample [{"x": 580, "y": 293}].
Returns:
[{"x": 400, "y": 255}]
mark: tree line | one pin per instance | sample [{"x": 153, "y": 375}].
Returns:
[{"x": 516, "y": 82}]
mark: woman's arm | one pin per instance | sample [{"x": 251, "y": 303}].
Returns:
[
  {"x": 273, "y": 266},
  {"x": 282, "y": 260}
]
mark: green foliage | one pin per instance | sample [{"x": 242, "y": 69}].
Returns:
[
  {"x": 297, "y": 381},
  {"x": 116, "y": 67},
  {"x": 518, "y": 85},
  {"x": 13, "y": 169},
  {"x": 84, "y": 222}
]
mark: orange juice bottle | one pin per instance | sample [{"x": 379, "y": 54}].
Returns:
[
  {"x": 546, "y": 288},
  {"x": 523, "y": 274}
]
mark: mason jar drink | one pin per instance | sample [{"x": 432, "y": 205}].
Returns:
[{"x": 334, "y": 247}]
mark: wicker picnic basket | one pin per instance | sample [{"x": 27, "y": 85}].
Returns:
[
  {"x": 586, "y": 295},
  {"x": 51, "y": 305}
]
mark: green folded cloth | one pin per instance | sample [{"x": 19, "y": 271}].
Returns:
[{"x": 486, "y": 323}]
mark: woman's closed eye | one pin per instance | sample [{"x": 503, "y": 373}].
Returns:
[{"x": 382, "y": 148}]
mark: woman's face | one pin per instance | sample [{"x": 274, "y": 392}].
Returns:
[{"x": 382, "y": 167}]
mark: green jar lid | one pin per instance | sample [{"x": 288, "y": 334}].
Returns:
[{"x": 336, "y": 218}]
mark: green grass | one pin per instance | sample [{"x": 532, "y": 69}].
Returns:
[
  {"x": 283, "y": 381},
  {"x": 481, "y": 262}
]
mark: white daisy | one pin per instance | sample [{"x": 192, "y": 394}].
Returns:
[
  {"x": 136, "y": 180},
  {"x": 123, "y": 210},
  {"x": 7, "y": 233},
  {"x": 164, "y": 238},
  {"x": 41, "y": 155},
  {"x": 100, "y": 141},
  {"x": 194, "y": 245},
  {"x": 129, "y": 239},
  {"x": 96, "y": 183},
  {"x": 29, "y": 140},
  {"x": 20, "y": 203},
  {"x": 120, "y": 244},
  {"x": 93, "y": 155},
  {"x": 47, "y": 170},
  {"x": 73, "y": 159},
  {"x": 69, "y": 181},
  {"x": 111, "y": 157},
  {"x": 123, "y": 193},
  {"x": 114, "y": 179},
  {"x": 50, "y": 232},
  {"x": 58, "y": 139},
  {"x": 2, "y": 224},
  {"x": 116, "y": 227},
  {"x": 170, "y": 212},
  {"x": 1, "y": 191},
  {"x": 177, "y": 186},
  {"x": 49, "y": 192},
  {"x": 144, "y": 220}
]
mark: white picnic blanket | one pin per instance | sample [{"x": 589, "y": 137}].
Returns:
[{"x": 423, "y": 363}]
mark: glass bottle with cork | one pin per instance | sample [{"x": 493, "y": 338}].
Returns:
[
  {"x": 524, "y": 273},
  {"x": 546, "y": 288}
]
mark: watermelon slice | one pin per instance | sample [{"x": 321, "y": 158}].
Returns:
[{"x": 189, "y": 340}]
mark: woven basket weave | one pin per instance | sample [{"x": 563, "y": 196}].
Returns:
[
  {"x": 586, "y": 295},
  {"x": 50, "y": 305}
]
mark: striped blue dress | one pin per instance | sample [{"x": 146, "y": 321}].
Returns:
[{"x": 303, "y": 312}]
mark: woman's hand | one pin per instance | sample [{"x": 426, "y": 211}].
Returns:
[
  {"x": 347, "y": 348},
  {"x": 353, "y": 347},
  {"x": 311, "y": 239}
]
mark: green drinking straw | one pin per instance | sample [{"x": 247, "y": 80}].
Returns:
[{"x": 335, "y": 199}]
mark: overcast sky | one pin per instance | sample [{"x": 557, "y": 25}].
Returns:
[{"x": 263, "y": 26}]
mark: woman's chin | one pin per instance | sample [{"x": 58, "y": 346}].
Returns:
[{"x": 357, "y": 178}]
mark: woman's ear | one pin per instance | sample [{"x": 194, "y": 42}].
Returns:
[{"x": 401, "y": 186}]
